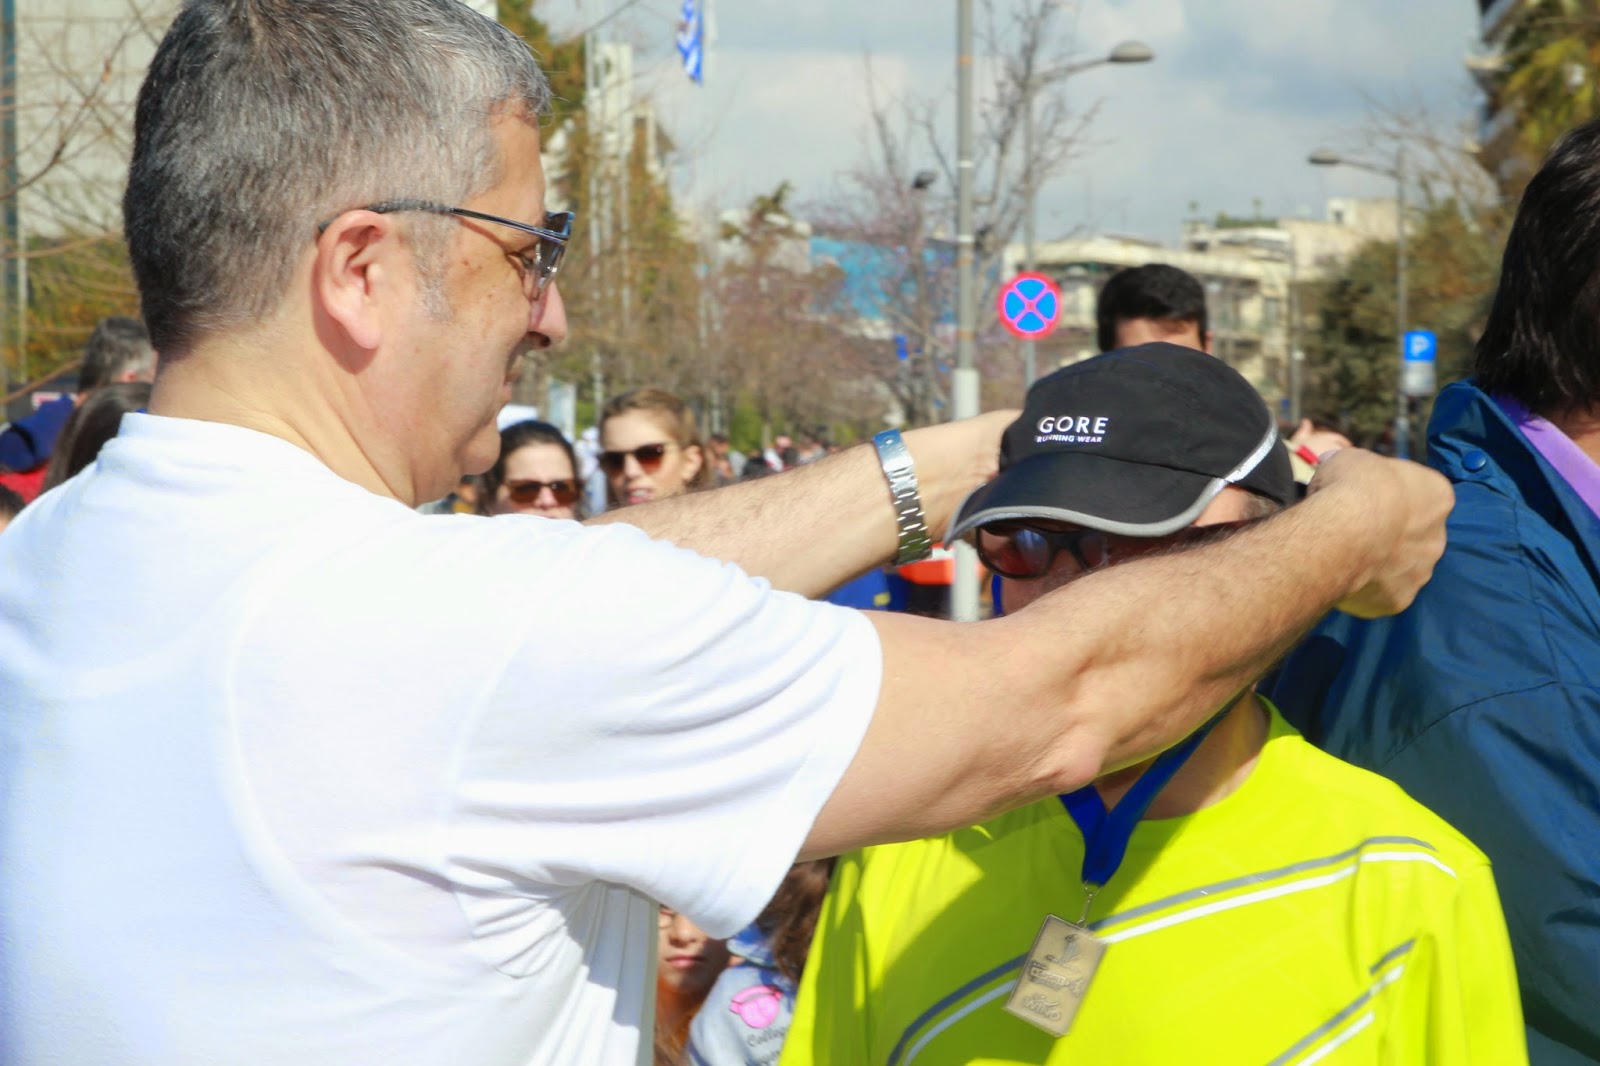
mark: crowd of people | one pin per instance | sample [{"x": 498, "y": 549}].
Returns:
[{"x": 341, "y": 723}]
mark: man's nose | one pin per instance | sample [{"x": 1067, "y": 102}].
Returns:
[{"x": 547, "y": 318}]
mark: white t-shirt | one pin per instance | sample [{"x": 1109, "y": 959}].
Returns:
[{"x": 291, "y": 774}]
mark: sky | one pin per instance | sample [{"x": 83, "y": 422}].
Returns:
[{"x": 1239, "y": 93}]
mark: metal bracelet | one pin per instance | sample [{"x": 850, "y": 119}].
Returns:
[{"x": 915, "y": 542}]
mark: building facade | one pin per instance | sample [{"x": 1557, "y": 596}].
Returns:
[{"x": 1250, "y": 270}]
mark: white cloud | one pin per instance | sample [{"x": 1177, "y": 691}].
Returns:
[{"x": 1239, "y": 92}]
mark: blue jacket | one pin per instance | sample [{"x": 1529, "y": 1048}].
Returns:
[
  {"x": 1483, "y": 702},
  {"x": 28, "y": 442},
  {"x": 748, "y": 1012}
]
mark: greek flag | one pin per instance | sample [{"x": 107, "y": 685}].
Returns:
[{"x": 692, "y": 40}]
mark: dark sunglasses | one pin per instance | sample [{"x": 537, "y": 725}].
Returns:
[
  {"x": 1027, "y": 552},
  {"x": 538, "y": 268},
  {"x": 1023, "y": 552},
  {"x": 648, "y": 456},
  {"x": 526, "y": 493}
]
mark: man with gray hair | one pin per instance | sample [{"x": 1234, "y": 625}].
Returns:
[{"x": 292, "y": 773}]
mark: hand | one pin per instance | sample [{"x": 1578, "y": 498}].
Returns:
[
  {"x": 1401, "y": 507},
  {"x": 1318, "y": 441},
  {"x": 954, "y": 458}
]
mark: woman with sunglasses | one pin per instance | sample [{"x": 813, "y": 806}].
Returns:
[
  {"x": 650, "y": 448},
  {"x": 537, "y": 473}
]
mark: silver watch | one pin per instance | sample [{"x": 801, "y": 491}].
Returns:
[{"x": 915, "y": 543}]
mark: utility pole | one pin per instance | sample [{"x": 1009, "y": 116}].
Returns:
[
  {"x": 1030, "y": 237},
  {"x": 1402, "y": 416},
  {"x": 1126, "y": 52},
  {"x": 594, "y": 119},
  {"x": 964, "y": 379},
  {"x": 13, "y": 305}
]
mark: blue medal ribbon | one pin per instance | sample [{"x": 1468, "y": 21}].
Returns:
[{"x": 1106, "y": 833}]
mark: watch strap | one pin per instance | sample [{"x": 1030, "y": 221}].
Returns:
[{"x": 914, "y": 540}]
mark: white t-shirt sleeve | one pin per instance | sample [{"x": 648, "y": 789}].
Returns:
[{"x": 664, "y": 722}]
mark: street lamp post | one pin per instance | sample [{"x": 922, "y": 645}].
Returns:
[
  {"x": 921, "y": 368},
  {"x": 1126, "y": 52},
  {"x": 964, "y": 379},
  {"x": 1326, "y": 157}
]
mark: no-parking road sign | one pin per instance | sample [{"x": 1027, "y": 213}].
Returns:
[{"x": 1029, "y": 306}]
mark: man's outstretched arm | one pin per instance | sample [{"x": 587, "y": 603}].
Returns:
[
  {"x": 1116, "y": 666},
  {"x": 812, "y": 529}
]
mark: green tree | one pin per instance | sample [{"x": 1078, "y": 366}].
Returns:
[
  {"x": 1547, "y": 78},
  {"x": 628, "y": 280},
  {"x": 73, "y": 282},
  {"x": 1353, "y": 354},
  {"x": 561, "y": 60}
]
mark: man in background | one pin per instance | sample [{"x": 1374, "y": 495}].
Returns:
[
  {"x": 1158, "y": 302},
  {"x": 1154, "y": 302}
]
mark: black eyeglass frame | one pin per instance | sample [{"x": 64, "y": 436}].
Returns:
[{"x": 544, "y": 265}]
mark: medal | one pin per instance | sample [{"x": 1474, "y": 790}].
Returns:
[{"x": 1055, "y": 975}]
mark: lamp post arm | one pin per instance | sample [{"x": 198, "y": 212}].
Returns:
[
  {"x": 1394, "y": 173},
  {"x": 1061, "y": 73}
]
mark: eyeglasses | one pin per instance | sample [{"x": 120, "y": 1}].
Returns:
[
  {"x": 648, "y": 456},
  {"x": 1027, "y": 552},
  {"x": 526, "y": 493},
  {"x": 537, "y": 269}
]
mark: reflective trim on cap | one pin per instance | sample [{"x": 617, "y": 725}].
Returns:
[{"x": 1253, "y": 460}]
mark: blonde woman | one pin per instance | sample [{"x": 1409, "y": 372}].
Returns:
[{"x": 650, "y": 448}]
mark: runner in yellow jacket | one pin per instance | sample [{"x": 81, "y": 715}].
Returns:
[{"x": 1244, "y": 898}]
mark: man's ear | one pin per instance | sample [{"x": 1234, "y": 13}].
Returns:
[{"x": 355, "y": 264}]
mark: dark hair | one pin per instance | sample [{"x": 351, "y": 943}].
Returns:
[
  {"x": 116, "y": 346},
  {"x": 1541, "y": 345},
  {"x": 513, "y": 438},
  {"x": 89, "y": 427},
  {"x": 1154, "y": 290},
  {"x": 789, "y": 920},
  {"x": 755, "y": 466},
  {"x": 1257, "y": 506},
  {"x": 11, "y": 503},
  {"x": 258, "y": 118}
]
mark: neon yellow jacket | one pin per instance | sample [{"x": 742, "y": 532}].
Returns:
[{"x": 1317, "y": 914}]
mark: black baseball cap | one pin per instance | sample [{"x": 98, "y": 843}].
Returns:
[{"x": 1136, "y": 442}]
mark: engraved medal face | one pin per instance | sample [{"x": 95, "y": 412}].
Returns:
[{"x": 1055, "y": 975}]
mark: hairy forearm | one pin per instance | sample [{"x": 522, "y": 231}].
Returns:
[
  {"x": 1097, "y": 675},
  {"x": 1154, "y": 647},
  {"x": 1118, "y": 665},
  {"x": 812, "y": 529}
]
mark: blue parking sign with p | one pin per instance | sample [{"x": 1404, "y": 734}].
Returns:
[
  {"x": 1417, "y": 365},
  {"x": 1421, "y": 346}
]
